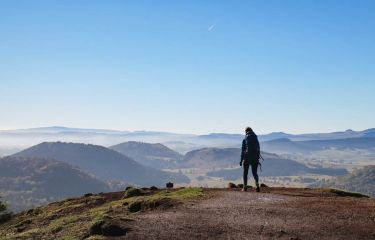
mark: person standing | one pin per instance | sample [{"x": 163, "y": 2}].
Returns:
[{"x": 250, "y": 155}]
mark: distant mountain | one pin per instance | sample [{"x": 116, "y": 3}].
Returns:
[
  {"x": 104, "y": 163},
  {"x": 283, "y": 145},
  {"x": 369, "y": 132},
  {"x": 27, "y": 182},
  {"x": 362, "y": 181},
  {"x": 274, "y": 165},
  {"x": 275, "y": 135},
  {"x": 289, "y": 146},
  {"x": 60, "y": 129},
  {"x": 212, "y": 158},
  {"x": 221, "y": 136},
  {"x": 23, "y": 138},
  {"x": 331, "y": 136},
  {"x": 153, "y": 155}
]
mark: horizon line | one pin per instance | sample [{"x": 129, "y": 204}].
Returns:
[{"x": 170, "y": 132}]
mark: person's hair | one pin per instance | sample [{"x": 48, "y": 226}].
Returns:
[{"x": 248, "y": 130}]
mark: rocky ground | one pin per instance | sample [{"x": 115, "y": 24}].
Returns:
[{"x": 275, "y": 213}]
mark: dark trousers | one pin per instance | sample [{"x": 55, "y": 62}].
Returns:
[{"x": 254, "y": 170}]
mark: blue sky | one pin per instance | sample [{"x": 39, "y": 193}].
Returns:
[{"x": 188, "y": 66}]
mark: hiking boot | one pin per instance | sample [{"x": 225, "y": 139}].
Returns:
[
  {"x": 244, "y": 189},
  {"x": 258, "y": 188}
]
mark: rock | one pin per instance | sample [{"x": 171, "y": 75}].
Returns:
[
  {"x": 240, "y": 185},
  {"x": 153, "y": 188},
  {"x": 145, "y": 189},
  {"x": 88, "y": 195},
  {"x": 169, "y": 185},
  {"x": 263, "y": 185},
  {"x": 231, "y": 185}
]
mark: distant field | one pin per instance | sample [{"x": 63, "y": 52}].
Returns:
[{"x": 198, "y": 178}]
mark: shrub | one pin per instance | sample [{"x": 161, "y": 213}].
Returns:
[
  {"x": 153, "y": 188},
  {"x": 132, "y": 192}
]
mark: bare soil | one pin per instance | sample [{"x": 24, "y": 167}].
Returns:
[{"x": 275, "y": 213}]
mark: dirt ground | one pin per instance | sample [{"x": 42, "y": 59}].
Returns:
[{"x": 275, "y": 213}]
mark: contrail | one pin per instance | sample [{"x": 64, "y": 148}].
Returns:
[{"x": 210, "y": 28}]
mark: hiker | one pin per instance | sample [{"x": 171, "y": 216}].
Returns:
[{"x": 250, "y": 155}]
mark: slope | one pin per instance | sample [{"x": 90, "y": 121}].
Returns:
[
  {"x": 361, "y": 180},
  {"x": 27, "y": 182},
  {"x": 153, "y": 155}
]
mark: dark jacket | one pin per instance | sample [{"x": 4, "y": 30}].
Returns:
[{"x": 250, "y": 148}]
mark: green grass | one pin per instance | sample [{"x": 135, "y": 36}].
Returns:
[
  {"x": 181, "y": 194},
  {"x": 61, "y": 223}
]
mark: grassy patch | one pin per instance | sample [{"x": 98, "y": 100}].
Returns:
[
  {"x": 161, "y": 199},
  {"x": 181, "y": 194},
  {"x": 61, "y": 223},
  {"x": 72, "y": 219}
]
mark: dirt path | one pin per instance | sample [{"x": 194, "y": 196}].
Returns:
[{"x": 249, "y": 215}]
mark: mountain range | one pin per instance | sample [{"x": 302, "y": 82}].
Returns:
[
  {"x": 274, "y": 165},
  {"x": 285, "y": 145},
  {"x": 160, "y": 156},
  {"x": 52, "y": 171},
  {"x": 139, "y": 157},
  {"x": 23, "y": 138},
  {"x": 103, "y": 163}
]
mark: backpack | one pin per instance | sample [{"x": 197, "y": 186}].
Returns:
[{"x": 252, "y": 149}]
